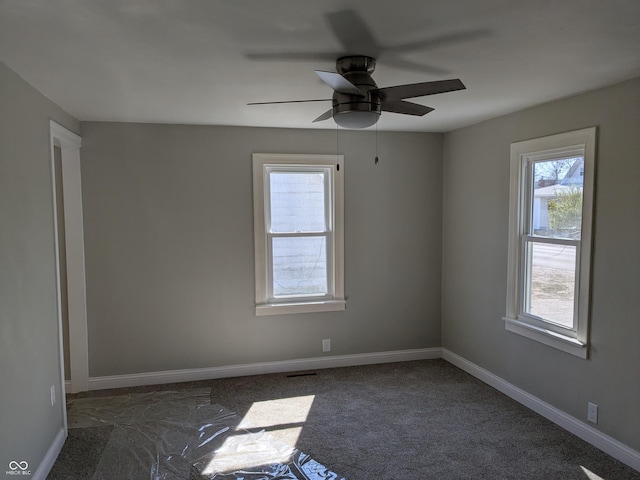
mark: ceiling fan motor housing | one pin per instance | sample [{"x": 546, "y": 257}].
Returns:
[{"x": 357, "y": 111}]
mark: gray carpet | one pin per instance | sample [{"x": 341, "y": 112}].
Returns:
[
  {"x": 423, "y": 420},
  {"x": 81, "y": 453},
  {"x": 410, "y": 420}
]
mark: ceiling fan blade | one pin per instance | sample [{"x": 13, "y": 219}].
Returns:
[
  {"x": 400, "y": 92},
  {"x": 291, "y": 101},
  {"x": 396, "y": 61},
  {"x": 301, "y": 56},
  {"x": 325, "y": 116},
  {"x": 354, "y": 35},
  {"x": 441, "y": 41},
  {"x": 406, "y": 108},
  {"x": 339, "y": 83}
]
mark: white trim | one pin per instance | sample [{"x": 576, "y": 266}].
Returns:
[
  {"x": 174, "y": 376},
  {"x": 577, "y": 427},
  {"x": 50, "y": 457},
  {"x": 547, "y": 337},
  {"x": 69, "y": 144},
  {"x": 334, "y": 166},
  {"x": 56, "y": 246},
  {"x": 300, "y": 307},
  {"x": 65, "y": 138},
  {"x": 522, "y": 153}
]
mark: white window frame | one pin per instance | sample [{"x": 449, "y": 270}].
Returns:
[
  {"x": 580, "y": 142},
  {"x": 263, "y": 163}
]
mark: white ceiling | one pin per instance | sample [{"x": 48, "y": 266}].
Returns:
[{"x": 185, "y": 61}]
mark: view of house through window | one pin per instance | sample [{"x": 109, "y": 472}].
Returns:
[
  {"x": 299, "y": 226},
  {"x": 556, "y": 213}
]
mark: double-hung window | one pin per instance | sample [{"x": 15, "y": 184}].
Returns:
[
  {"x": 299, "y": 233},
  {"x": 550, "y": 221}
]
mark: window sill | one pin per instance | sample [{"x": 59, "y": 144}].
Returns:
[
  {"x": 547, "y": 337},
  {"x": 300, "y": 307}
]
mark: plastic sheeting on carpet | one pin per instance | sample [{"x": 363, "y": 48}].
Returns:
[{"x": 171, "y": 435}]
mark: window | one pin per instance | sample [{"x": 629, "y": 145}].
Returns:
[
  {"x": 299, "y": 233},
  {"x": 550, "y": 219}
]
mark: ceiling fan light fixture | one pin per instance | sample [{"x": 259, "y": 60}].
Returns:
[{"x": 355, "y": 119}]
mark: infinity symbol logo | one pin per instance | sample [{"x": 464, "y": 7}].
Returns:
[{"x": 13, "y": 465}]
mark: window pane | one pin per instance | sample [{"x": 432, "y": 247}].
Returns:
[
  {"x": 551, "y": 282},
  {"x": 299, "y": 266},
  {"x": 297, "y": 202},
  {"x": 557, "y": 198}
]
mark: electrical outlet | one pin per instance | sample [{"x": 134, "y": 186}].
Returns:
[
  {"x": 592, "y": 412},
  {"x": 326, "y": 345},
  {"x": 53, "y": 395}
]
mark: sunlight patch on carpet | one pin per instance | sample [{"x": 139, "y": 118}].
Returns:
[
  {"x": 590, "y": 475},
  {"x": 284, "y": 417}
]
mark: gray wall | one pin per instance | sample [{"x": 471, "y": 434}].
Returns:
[
  {"x": 169, "y": 247},
  {"x": 29, "y": 342},
  {"x": 475, "y": 222}
]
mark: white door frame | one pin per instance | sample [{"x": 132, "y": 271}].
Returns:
[{"x": 69, "y": 144}]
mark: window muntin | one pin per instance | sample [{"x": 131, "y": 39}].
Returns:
[
  {"x": 550, "y": 239},
  {"x": 298, "y": 216}
]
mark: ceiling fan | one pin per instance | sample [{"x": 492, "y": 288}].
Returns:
[{"x": 357, "y": 101}]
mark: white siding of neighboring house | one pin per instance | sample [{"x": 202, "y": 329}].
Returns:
[{"x": 541, "y": 196}]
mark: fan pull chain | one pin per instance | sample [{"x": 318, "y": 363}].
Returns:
[
  {"x": 377, "y": 159},
  {"x": 337, "y": 145}
]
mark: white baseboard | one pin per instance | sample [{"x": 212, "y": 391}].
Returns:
[
  {"x": 174, "y": 376},
  {"x": 579, "y": 428},
  {"x": 50, "y": 457}
]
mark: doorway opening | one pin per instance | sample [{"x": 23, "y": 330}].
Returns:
[{"x": 69, "y": 240}]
